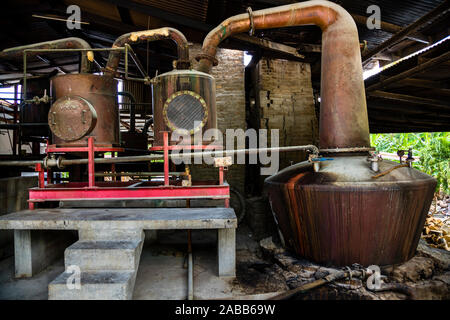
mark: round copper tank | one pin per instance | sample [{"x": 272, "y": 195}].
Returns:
[
  {"x": 183, "y": 100},
  {"x": 84, "y": 105},
  {"x": 340, "y": 215}
]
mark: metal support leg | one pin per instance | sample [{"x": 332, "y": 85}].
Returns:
[
  {"x": 166, "y": 158},
  {"x": 91, "y": 164},
  {"x": 40, "y": 170}
]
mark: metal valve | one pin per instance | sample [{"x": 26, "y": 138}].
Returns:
[{"x": 374, "y": 158}]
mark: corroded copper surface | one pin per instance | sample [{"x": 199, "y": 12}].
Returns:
[
  {"x": 100, "y": 92},
  {"x": 340, "y": 216},
  {"x": 71, "y": 118}
]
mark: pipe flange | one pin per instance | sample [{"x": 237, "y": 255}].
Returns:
[
  {"x": 251, "y": 32},
  {"x": 59, "y": 163},
  {"x": 206, "y": 56},
  {"x": 45, "y": 162}
]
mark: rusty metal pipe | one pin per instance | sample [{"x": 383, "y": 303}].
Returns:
[
  {"x": 66, "y": 43},
  {"x": 67, "y": 162},
  {"x": 150, "y": 35},
  {"x": 343, "y": 115}
]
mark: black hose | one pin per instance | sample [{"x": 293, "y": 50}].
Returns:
[{"x": 147, "y": 125}]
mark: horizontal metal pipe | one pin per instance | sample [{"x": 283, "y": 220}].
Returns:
[
  {"x": 21, "y": 163},
  {"x": 150, "y": 35},
  {"x": 66, "y": 43},
  {"x": 144, "y": 158},
  {"x": 140, "y": 174}
]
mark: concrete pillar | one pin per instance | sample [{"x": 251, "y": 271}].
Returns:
[
  {"x": 226, "y": 252},
  {"x": 34, "y": 250},
  {"x": 13, "y": 197}
]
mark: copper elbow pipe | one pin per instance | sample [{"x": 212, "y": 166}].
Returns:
[
  {"x": 66, "y": 43},
  {"x": 150, "y": 35},
  {"x": 343, "y": 114}
]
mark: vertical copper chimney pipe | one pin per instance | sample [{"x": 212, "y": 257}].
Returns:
[
  {"x": 150, "y": 35},
  {"x": 343, "y": 115}
]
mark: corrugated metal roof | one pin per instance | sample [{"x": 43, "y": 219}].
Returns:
[
  {"x": 401, "y": 13},
  {"x": 195, "y": 9}
]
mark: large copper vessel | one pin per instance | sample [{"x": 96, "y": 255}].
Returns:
[
  {"x": 183, "y": 100},
  {"x": 85, "y": 105},
  {"x": 337, "y": 213},
  {"x": 341, "y": 215}
]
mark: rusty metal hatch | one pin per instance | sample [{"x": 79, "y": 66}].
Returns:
[
  {"x": 185, "y": 110},
  {"x": 72, "y": 117}
]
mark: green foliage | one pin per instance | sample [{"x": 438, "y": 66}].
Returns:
[{"x": 432, "y": 148}]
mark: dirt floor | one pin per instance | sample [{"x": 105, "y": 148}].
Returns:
[{"x": 264, "y": 269}]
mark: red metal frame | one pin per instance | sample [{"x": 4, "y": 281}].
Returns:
[
  {"x": 116, "y": 191},
  {"x": 162, "y": 192}
]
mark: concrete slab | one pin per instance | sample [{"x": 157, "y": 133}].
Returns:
[
  {"x": 105, "y": 285},
  {"x": 103, "y": 255},
  {"x": 106, "y": 268},
  {"x": 160, "y": 218}
]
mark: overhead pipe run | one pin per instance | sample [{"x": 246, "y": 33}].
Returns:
[
  {"x": 66, "y": 43},
  {"x": 150, "y": 35},
  {"x": 343, "y": 115}
]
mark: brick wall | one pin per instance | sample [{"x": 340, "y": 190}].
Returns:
[
  {"x": 230, "y": 103},
  {"x": 285, "y": 99}
]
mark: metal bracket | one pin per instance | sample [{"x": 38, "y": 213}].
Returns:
[{"x": 252, "y": 25}]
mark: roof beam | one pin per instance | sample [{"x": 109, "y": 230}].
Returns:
[
  {"x": 421, "y": 83},
  {"x": 409, "y": 99},
  {"x": 204, "y": 27},
  {"x": 391, "y": 28},
  {"x": 443, "y": 7},
  {"x": 161, "y": 14},
  {"x": 269, "y": 45},
  {"x": 408, "y": 73},
  {"x": 305, "y": 47}
]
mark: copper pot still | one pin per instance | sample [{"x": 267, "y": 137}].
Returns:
[
  {"x": 340, "y": 215},
  {"x": 85, "y": 105},
  {"x": 183, "y": 100},
  {"x": 337, "y": 214}
]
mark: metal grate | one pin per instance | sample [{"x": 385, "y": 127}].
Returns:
[{"x": 184, "y": 110}]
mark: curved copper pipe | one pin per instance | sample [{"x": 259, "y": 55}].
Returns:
[
  {"x": 66, "y": 43},
  {"x": 150, "y": 35},
  {"x": 343, "y": 115}
]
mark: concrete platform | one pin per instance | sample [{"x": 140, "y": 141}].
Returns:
[
  {"x": 160, "y": 276},
  {"x": 110, "y": 243},
  {"x": 123, "y": 218}
]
